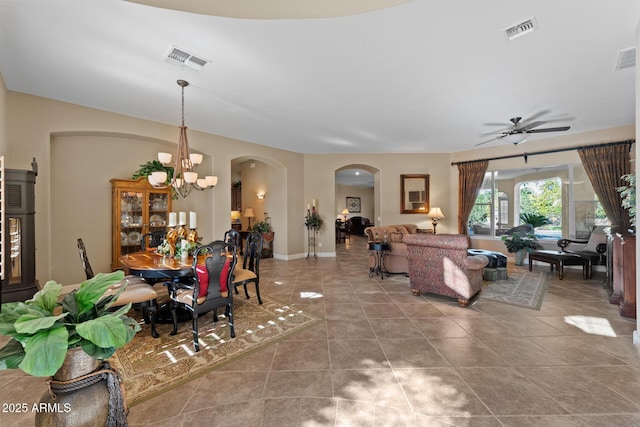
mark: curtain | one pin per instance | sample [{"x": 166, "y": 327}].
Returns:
[
  {"x": 470, "y": 177},
  {"x": 604, "y": 165}
]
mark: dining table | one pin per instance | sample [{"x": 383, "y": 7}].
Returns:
[{"x": 154, "y": 267}]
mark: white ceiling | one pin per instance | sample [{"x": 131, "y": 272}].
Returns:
[{"x": 420, "y": 76}]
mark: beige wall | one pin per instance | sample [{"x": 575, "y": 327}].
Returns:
[
  {"x": 92, "y": 146},
  {"x": 65, "y": 139},
  {"x": 367, "y": 201}
]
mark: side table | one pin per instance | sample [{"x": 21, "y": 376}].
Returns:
[{"x": 379, "y": 250}]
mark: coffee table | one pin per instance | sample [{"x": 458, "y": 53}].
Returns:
[{"x": 559, "y": 259}]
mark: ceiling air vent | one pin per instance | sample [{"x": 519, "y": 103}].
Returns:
[
  {"x": 182, "y": 59},
  {"x": 521, "y": 28},
  {"x": 626, "y": 58}
]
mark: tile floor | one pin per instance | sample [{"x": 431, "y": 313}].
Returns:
[{"x": 386, "y": 358}]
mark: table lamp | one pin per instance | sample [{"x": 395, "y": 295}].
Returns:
[
  {"x": 248, "y": 213},
  {"x": 435, "y": 214},
  {"x": 345, "y": 212}
]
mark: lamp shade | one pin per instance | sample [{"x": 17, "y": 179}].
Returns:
[
  {"x": 345, "y": 211},
  {"x": 248, "y": 213},
  {"x": 516, "y": 138},
  {"x": 435, "y": 213}
]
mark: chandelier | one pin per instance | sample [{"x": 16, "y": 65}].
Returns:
[{"x": 184, "y": 178}]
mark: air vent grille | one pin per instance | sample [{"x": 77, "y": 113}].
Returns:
[
  {"x": 183, "y": 59},
  {"x": 521, "y": 28},
  {"x": 626, "y": 58}
]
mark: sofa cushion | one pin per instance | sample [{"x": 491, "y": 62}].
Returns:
[
  {"x": 396, "y": 237},
  {"x": 398, "y": 249}
]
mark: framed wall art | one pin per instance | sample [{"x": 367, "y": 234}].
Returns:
[{"x": 353, "y": 204}]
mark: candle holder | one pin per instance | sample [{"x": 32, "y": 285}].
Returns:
[
  {"x": 172, "y": 239},
  {"x": 182, "y": 231},
  {"x": 192, "y": 237}
]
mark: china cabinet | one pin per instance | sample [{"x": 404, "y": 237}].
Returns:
[{"x": 137, "y": 209}]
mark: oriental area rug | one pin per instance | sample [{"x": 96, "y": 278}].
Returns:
[
  {"x": 523, "y": 288},
  {"x": 149, "y": 367}
]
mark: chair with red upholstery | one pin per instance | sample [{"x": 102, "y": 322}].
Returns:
[{"x": 208, "y": 289}]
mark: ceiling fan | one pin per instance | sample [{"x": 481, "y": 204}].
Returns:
[{"x": 517, "y": 134}]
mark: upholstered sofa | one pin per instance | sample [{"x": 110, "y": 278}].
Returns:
[
  {"x": 396, "y": 260},
  {"x": 439, "y": 264},
  {"x": 358, "y": 225}
]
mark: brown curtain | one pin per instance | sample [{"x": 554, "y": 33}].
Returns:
[
  {"x": 604, "y": 165},
  {"x": 470, "y": 177}
]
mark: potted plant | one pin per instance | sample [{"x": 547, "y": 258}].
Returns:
[
  {"x": 519, "y": 243},
  {"x": 43, "y": 330},
  {"x": 628, "y": 195},
  {"x": 313, "y": 221},
  {"x": 262, "y": 227}
]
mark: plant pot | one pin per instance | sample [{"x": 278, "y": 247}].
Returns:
[
  {"x": 520, "y": 257},
  {"x": 88, "y": 405}
]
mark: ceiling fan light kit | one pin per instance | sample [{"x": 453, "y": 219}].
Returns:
[{"x": 518, "y": 133}]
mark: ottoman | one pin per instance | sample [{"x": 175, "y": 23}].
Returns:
[{"x": 497, "y": 267}]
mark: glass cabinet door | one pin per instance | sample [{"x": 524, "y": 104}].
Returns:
[
  {"x": 15, "y": 253},
  {"x": 158, "y": 211},
  {"x": 131, "y": 221}
]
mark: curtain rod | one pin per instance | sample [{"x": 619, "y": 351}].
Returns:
[{"x": 557, "y": 150}]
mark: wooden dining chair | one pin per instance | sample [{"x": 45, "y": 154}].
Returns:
[
  {"x": 137, "y": 291},
  {"x": 208, "y": 289},
  {"x": 152, "y": 239},
  {"x": 250, "y": 271}
]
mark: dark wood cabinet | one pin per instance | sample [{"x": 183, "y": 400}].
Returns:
[
  {"x": 621, "y": 272},
  {"x": 236, "y": 198},
  {"x": 19, "y": 238}
]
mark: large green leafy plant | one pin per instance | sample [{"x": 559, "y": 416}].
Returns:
[{"x": 43, "y": 329}]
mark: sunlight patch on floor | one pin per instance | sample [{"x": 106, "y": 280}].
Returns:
[{"x": 591, "y": 325}]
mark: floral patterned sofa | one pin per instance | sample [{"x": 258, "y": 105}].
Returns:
[
  {"x": 396, "y": 260},
  {"x": 439, "y": 264}
]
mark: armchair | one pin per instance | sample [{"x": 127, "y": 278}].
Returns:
[{"x": 439, "y": 264}]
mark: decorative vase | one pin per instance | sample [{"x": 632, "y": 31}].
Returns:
[
  {"x": 75, "y": 401},
  {"x": 520, "y": 257}
]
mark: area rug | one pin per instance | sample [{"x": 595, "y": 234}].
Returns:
[
  {"x": 151, "y": 366},
  {"x": 523, "y": 288}
]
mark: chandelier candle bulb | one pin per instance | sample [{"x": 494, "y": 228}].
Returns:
[
  {"x": 192, "y": 220},
  {"x": 172, "y": 219},
  {"x": 182, "y": 219}
]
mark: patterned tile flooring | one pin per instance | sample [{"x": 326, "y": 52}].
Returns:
[{"x": 383, "y": 357}]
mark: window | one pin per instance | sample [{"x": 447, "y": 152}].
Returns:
[{"x": 558, "y": 200}]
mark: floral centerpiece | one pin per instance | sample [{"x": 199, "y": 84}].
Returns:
[{"x": 189, "y": 247}]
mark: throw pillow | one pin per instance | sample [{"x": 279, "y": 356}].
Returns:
[
  {"x": 597, "y": 237},
  {"x": 203, "y": 278}
]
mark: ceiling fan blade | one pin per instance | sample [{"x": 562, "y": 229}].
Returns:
[
  {"x": 532, "y": 125},
  {"x": 534, "y": 116},
  {"x": 492, "y": 139},
  {"x": 557, "y": 129},
  {"x": 506, "y": 125}
]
